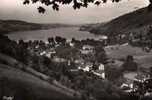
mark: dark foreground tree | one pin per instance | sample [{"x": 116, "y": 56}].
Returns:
[
  {"x": 129, "y": 64},
  {"x": 77, "y": 4}
]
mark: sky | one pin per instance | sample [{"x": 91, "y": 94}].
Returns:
[{"x": 14, "y": 9}]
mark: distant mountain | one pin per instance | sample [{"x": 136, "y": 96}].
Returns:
[
  {"x": 137, "y": 21},
  {"x": 7, "y": 26}
]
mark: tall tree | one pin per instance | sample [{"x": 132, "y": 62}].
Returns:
[{"x": 77, "y": 4}]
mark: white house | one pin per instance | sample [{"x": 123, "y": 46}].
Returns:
[
  {"x": 86, "y": 49},
  {"x": 101, "y": 67},
  {"x": 100, "y": 72},
  {"x": 58, "y": 59},
  {"x": 7, "y": 98},
  {"x": 86, "y": 67},
  {"x": 103, "y": 37}
]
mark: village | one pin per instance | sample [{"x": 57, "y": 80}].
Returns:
[
  {"x": 74, "y": 63},
  {"x": 90, "y": 56},
  {"x": 76, "y": 50}
]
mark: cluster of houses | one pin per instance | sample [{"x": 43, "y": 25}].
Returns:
[
  {"x": 86, "y": 66},
  {"x": 138, "y": 83},
  {"x": 82, "y": 64}
]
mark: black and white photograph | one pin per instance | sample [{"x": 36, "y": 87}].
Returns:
[{"x": 75, "y": 49}]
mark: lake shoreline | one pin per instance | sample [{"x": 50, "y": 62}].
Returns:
[
  {"x": 9, "y": 26},
  {"x": 43, "y": 34}
]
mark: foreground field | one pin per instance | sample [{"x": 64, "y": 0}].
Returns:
[
  {"x": 26, "y": 86},
  {"x": 118, "y": 52}
]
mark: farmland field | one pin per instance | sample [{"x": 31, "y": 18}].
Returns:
[{"x": 143, "y": 58}]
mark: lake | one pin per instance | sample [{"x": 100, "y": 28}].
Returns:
[
  {"x": 142, "y": 58},
  {"x": 67, "y": 32}
]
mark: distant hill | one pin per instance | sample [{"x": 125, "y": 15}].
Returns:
[
  {"x": 137, "y": 21},
  {"x": 7, "y": 26}
]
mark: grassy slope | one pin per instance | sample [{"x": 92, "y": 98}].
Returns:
[
  {"x": 143, "y": 59},
  {"x": 138, "y": 22},
  {"x": 14, "y": 25},
  {"x": 134, "y": 21},
  {"x": 35, "y": 86},
  {"x": 7, "y": 26}
]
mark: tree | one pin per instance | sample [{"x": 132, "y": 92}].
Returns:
[
  {"x": 100, "y": 54},
  {"x": 150, "y": 5},
  {"x": 58, "y": 39},
  {"x": 149, "y": 36},
  {"x": 129, "y": 64},
  {"x": 77, "y": 4},
  {"x": 51, "y": 40},
  {"x": 61, "y": 40}
]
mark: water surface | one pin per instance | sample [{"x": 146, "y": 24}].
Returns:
[{"x": 67, "y": 32}]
